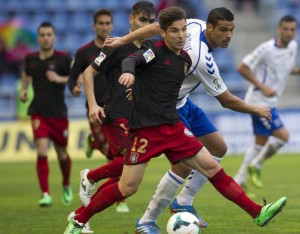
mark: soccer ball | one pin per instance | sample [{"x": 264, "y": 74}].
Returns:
[{"x": 183, "y": 223}]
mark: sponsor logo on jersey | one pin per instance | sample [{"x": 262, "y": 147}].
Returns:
[
  {"x": 188, "y": 42},
  {"x": 149, "y": 55},
  {"x": 134, "y": 157},
  {"x": 188, "y": 132},
  {"x": 100, "y": 58}
]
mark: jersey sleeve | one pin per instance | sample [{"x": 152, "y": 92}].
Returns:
[
  {"x": 256, "y": 56},
  {"x": 26, "y": 67},
  {"x": 146, "y": 54},
  {"x": 77, "y": 67},
  {"x": 104, "y": 58}
]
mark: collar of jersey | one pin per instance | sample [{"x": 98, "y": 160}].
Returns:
[{"x": 203, "y": 38}]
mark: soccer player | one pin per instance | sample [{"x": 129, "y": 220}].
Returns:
[
  {"x": 117, "y": 107},
  {"x": 103, "y": 25},
  {"x": 203, "y": 38},
  {"x": 268, "y": 68},
  {"x": 48, "y": 69},
  {"x": 157, "y": 71}
]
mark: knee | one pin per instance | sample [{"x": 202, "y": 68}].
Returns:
[
  {"x": 219, "y": 151},
  {"x": 181, "y": 169},
  {"x": 128, "y": 190}
]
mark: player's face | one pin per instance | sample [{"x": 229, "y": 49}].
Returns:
[
  {"x": 103, "y": 26},
  {"x": 46, "y": 38},
  {"x": 221, "y": 34},
  {"x": 175, "y": 35},
  {"x": 140, "y": 20},
  {"x": 287, "y": 31}
]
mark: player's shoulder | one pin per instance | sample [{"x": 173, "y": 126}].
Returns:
[
  {"x": 195, "y": 22},
  {"x": 32, "y": 55},
  {"x": 293, "y": 44},
  {"x": 60, "y": 53},
  {"x": 267, "y": 45},
  {"x": 86, "y": 46}
]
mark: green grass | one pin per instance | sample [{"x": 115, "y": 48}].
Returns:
[{"x": 19, "y": 193}]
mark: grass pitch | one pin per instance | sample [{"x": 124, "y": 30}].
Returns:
[{"x": 20, "y": 213}]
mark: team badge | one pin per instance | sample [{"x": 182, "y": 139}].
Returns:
[
  {"x": 149, "y": 55},
  {"x": 217, "y": 84},
  {"x": 100, "y": 58},
  {"x": 188, "y": 132},
  {"x": 134, "y": 157},
  {"x": 35, "y": 124}
]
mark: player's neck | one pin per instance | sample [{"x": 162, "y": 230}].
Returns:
[
  {"x": 209, "y": 40},
  {"x": 280, "y": 44},
  {"x": 44, "y": 54},
  {"x": 98, "y": 42}
]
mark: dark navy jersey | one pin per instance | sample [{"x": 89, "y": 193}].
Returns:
[
  {"x": 159, "y": 73},
  {"x": 83, "y": 58},
  {"x": 48, "y": 98},
  {"x": 110, "y": 63}
]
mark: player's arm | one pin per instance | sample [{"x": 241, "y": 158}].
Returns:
[
  {"x": 88, "y": 82},
  {"x": 25, "y": 81},
  {"x": 295, "y": 71},
  {"x": 75, "y": 77},
  {"x": 148, "y": 31},
  {"x": 228, "y": 100},
  {"x": 54, "y": 77}
]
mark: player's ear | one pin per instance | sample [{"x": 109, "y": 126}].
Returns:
[
  {"x": 209, "y": 27},
  {"x": 162, "y": 33}
]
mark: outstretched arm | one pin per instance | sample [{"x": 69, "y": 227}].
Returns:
[
  {"x": 246, "y": 72},
  {"x": 232, "y": 102},
  {"x": 25, "y": 82},
  {"x": 148, "y": 31}
]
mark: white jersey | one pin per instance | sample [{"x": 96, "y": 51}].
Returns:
[
  {"x": 272, "y": 66},
  {"x": 204, "y": 69}
]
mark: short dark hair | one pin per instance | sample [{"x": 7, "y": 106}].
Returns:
[
  {"x": 46, "y": 24},
  {"x": 287, "y": 18},
  {"x": 168, "y": 15},
  {"x": 220, "y": 13},
  {"x": 102, "y": 12},
  {"x": 145, "y": 7}
]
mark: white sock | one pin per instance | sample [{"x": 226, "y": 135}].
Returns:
[
  {"x": 250, "y": 154},
  {"x": 268, "y": 150},
  {"x": 165, "y": 190},
  {"x": 194, "y": 183}
]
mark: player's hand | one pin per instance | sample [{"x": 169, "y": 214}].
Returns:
[
  {"x": 129, "y": 94},
  {"x": 23, "y": 96},
  {"x": 113, "y": 42},
  {"x": 96, "y": 113},
  {"x": 268, "y": 92},
  {"x": 126, "y": 79},
  {"x": 52, "y": 76},
  {"x": 77, "y": 90},
  {"x": 264, "y": 112}
]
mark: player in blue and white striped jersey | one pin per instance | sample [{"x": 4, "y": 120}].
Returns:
[
  {"x": 202, "y": 39},
  {"x": 268, "y": 68}
]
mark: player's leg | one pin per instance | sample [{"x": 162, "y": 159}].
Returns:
[
  {"x": 42, "y": 168},
  {"x": 128, "y": 185},
  {"x": 41, "y": 134},
  {"x": 225, "y": 185},
  {"x": 277, "y": 137},
  {"x": 59, "y": 135}
]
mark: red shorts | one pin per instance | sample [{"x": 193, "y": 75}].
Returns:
[
  {"x": 116, "y": 134},
  {"x": 174, "y": 140},
  {"x": 98, "y": 135},
  {"x": 54, "y": 128}
]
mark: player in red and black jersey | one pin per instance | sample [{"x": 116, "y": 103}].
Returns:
[
  {"x": 48, "y": 69},
  {"x": 162, "y": 132},
  {"x": 117, "y": 108},
  {"x": 103, "y": 25}
]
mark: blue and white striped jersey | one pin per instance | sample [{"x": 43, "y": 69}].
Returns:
[
  {"x": 272, "y": 66},
  {"x": 204, "y": 69}
]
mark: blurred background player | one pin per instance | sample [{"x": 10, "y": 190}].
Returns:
[
  {"x": 268, "y": 68},
  {"x": 85, "y": 55},
  {"x": 48, "y": 69}
]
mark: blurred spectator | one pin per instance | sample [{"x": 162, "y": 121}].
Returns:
[{"x": 247, "y": 5}]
